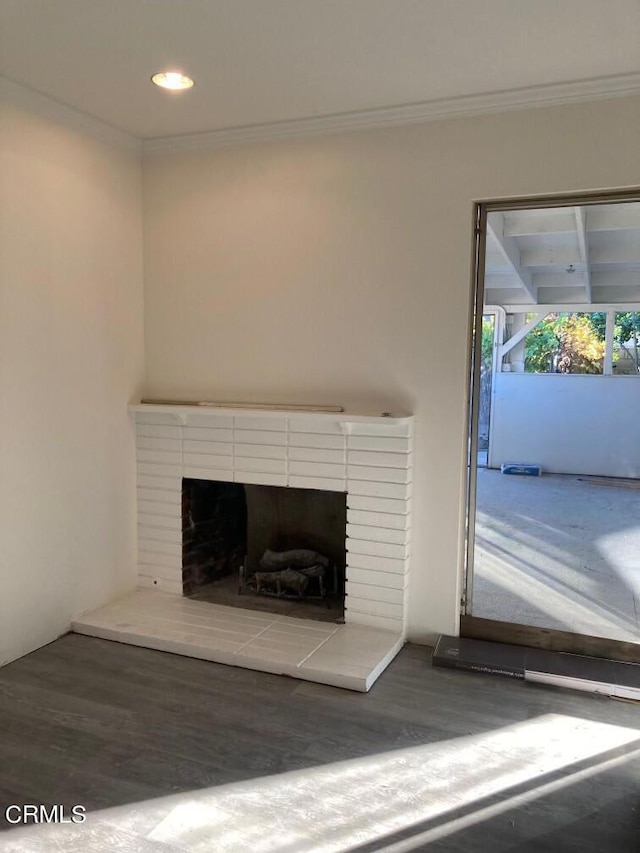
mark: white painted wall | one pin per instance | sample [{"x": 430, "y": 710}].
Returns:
[
  {"x": 336, "y": 269},
  {"x": 71, "y": 358},
  {"x": 567, "y": 424}
]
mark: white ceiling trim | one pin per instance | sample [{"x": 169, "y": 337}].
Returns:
[
  {"x": 614, "y": 86},
  {"x": 67, "y": 116}
]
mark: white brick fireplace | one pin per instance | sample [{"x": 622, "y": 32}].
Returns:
[{"x": 368, "y": 457}]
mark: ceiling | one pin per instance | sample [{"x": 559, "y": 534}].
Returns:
[
  {"x": 564, "y": 255},
  {"x": 264, "y": 61}
]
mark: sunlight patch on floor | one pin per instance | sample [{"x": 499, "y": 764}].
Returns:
[
  {"x": 620, "y": 549},
  {"x": 336, "y": 807}
]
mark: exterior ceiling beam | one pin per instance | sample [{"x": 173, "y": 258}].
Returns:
[
  {"x": 539, "y": 223},
  {"x": 614, "y": 217},
  {"x": 559, "y": 279},
  {"x": 509, "y": 250},
  {"x": 582, "y": 307},
  {"x": 562, "y": 256},
  {"x": 581, "y": 226},
  {"x": 550, "y": 256}
]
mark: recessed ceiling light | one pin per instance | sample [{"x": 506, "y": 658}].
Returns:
[{"x": 173, "y": 80}]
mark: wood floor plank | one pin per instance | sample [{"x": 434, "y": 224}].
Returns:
[{"x": 125, "y": 731}]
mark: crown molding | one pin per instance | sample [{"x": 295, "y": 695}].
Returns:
[
  {"x": 553, "y": 94},
  {"x": 69, "y": 117}
]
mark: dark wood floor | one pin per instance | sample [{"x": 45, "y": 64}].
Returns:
[{"x": 86, "y": 721}]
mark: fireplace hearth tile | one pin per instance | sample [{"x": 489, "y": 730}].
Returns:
[
  {"x": 349, "y": 656},
  {"x": 293, "y": 634},
  {"x": 257, "y": 653}
]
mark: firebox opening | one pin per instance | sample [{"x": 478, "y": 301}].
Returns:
[{"x": 265, "y": 548}]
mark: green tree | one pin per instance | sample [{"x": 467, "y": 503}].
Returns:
[
  {"x": 540, "y": 345},
  {"x": 627, "y": 325},
  {"x": 565, "y": 343},
  {"x": 626, "y": 330},
  {"x": 487, "y": 342}
]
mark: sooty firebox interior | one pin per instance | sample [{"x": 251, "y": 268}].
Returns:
[{"x": 264, "y": 548}]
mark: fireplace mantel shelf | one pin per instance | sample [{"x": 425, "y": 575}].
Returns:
[{"x": 347, "y": 417}]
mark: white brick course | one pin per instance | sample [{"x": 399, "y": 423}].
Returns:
[
  {"x": 154, "y": 470},
  {"x": 322, "y": 425},
  {"x": 260, "y": 478},
  {"x": 317, "y": 469},
  {"x": 390, "y": 505},
  {"x": 157, "y": 546},
  {"x": 400, "y": 491},
  {"x": 207, "y": 434},
  {"x": 379, "y": 459},
  {"x": 260, "y": 450},
  {"x": 308, "y": 439},
  {"x": 170, "y": 561},
  {"x": 380, "y": 475},
  {"x": 268, "y": 466},
  {"x": 386, "y": 580},
  {"x": 377, "y": 519},
  {"x": 157, "y": 431},
  {"x": 193, "y": 472},
  {"x": 370, "y": 592},
  {"x": 371, "y": 621},
  {"x": 378, "y": 608},
  {"x": 157, "y": 508},
  {"x": 145, "y": 443},
  {"x": 219, "y": 448},
  {"x": 314, "y": 454},
  {"x": 327, "y": 484},
  {"x": 160, "y": 457},
  {"x": 384, "y": 443},
  {"x": 373, "y": 533},
  {"x": 149, "y": 581},
  {"x": 207, "y": 420},
  {"x": 163, "y": 534},
  {"x": 255, "y": 436},
  {"x": 160, "y": 495},
  {"x": 158, "y": 418},
  {"x": 206, "y": 460},
  {"x": 377, "y": 564},
  {"x": 166, "y": 521},
  {"x": 372, "y": 548},
  {"x": 170, "y": 484}
]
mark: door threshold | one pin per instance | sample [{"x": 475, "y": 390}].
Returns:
[
  {"x": 473, "y": 627},
  {"x": 616, "y": 679}
]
